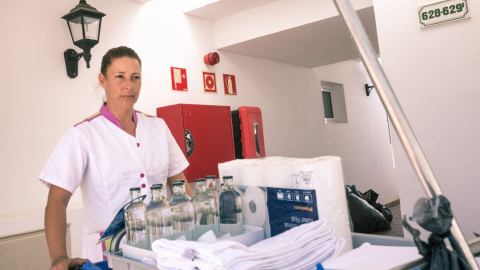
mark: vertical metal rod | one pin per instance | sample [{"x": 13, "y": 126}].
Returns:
[{"x": 404, "y": 131}]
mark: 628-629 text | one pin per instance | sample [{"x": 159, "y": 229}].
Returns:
[{"x": 431, "y": 14}]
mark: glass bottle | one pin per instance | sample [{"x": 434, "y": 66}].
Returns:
[
  {"x": 211, "y": 185},
  {"x": 230, "y": 208},
  {"x": 202, "y": 209},
  {"x": 158, "y": 216},
  {"x": 135, "y": 220},
  {"x": 182, "y": 212}
]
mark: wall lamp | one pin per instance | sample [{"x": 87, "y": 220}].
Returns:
[
  {"x": 84, "y": 22},
  {"x": 368, "y": 89}
]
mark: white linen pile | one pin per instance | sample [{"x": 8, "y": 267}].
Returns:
[{"x": 301, "y": 247}]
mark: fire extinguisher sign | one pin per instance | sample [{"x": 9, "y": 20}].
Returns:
[
  {"x": 229, "y": 84},
  {"x": 209, "y": 82},
  {"x": 179, "y": 79}
]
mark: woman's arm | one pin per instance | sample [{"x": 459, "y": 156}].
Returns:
[
  {"x": 179, "y": 176},
  {"x": 56, "y": 229}
]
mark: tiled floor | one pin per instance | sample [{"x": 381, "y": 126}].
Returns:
[{"x": 396, "y": 224}]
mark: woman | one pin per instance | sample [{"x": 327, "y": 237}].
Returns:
[{"x": 107, "y": 154}]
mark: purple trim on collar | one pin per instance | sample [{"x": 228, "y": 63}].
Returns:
[
  {"x": 135, "y": 116},
  {"x": 110, "y": 117}
]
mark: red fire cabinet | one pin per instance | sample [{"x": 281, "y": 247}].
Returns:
[
  {"x": 204, "y": 133},
  {"x": 248, "y": 132}
]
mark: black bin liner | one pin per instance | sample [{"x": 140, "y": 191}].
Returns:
[
  {"x": 435, "y": 216},
  {"x": 366, "y": 214}
]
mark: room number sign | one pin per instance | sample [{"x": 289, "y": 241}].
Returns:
[{"x": 443, "y": 12}]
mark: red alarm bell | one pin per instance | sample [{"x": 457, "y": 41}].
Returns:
[{"x": 211, "y": 58}]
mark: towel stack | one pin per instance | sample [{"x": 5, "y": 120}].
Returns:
[{"x": 301, "y": 247}]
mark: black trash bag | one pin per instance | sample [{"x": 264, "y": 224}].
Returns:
[
  {"x": 371, "y": 197},
  {"x": 385, "y": 212},
  {"x": 365, "y": 218},
  {"x": 435, "y": 216}
]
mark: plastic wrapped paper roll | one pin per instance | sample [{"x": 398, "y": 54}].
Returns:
[
  {"x": 323, "y": 174},
  {"x": 233, "y": 168},
  {"x": 251, "y": 175},
  {"x": 229, "y": 168},
  {"x": 254, "y": 208},
  {"x": 278, "y": 174}
]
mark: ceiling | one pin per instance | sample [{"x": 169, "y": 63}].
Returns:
[
  {"x": 312, "y": 45},
  {"x": 222, "y": 8}
]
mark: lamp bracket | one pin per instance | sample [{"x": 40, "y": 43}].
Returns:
[
  {"x": 71, "y": 61},
  {"x": 368, "y": 89}
]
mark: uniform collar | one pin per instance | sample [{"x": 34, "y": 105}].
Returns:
[{"x": 110, "y": 117}]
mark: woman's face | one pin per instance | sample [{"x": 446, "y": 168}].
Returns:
[{"x": 122, "y": 83}]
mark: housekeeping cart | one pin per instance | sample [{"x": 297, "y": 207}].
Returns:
[
  {"x": 117, "y": 261},
  {"x": 415, "y": 154}
]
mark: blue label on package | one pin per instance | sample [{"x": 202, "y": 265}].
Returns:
[{"x": 288, "y": 208}]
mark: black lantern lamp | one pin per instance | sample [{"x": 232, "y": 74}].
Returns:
[{"x": 84, "y": 22}]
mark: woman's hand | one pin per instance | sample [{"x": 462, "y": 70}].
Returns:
[{"x": 68, "y": 264}]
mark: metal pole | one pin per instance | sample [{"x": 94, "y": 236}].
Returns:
[{"x": 404, "y": 131}]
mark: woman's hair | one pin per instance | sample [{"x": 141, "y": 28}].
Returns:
[{"x": 116, "y": 53}]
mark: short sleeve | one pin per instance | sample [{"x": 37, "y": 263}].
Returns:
[
  {"x": 177, "y": 160},
  {"x": 66, "y": 166}
]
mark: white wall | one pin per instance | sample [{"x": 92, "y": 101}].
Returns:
[
  {"x": 435, "y": 75},
  {"x": 39, "y": 102},
  {"x": 363, "y": 143}
]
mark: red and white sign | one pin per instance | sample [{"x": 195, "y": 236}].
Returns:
[
  {"x": 229, "y": 84},
  {"x": 209, "y": 82},
  {"x": 179, "y": 79}
]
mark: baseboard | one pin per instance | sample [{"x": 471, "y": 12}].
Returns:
[{"x": 394, "y": 203}]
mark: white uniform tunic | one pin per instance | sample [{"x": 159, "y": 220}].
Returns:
[{"x": 106, "y": 162}]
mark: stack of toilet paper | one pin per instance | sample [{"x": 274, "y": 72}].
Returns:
[{"x": 322, "y": 174}]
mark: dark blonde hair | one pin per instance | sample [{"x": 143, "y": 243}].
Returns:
[{"x": 116, "y": 53}]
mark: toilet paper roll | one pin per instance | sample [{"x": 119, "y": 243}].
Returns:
[
  {"x": 278, "y": 174},
  {"x": 233, "y": 168},
  {"x": 229, "y": 168},
  {"x": 254, "y": 206},
  {"x": 325, "y": 175},
  {"x": 251, "y": 174}
]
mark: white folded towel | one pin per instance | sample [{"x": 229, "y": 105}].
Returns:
[
  {"x": 304, "y": 245},
  {"x": 298, "y": 248}
]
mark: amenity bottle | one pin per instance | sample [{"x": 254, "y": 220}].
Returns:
[
  {"x": 182, "y": 212},
  {"x": 202, "y": 209},
  {"x": 158, "y": 215},
  {"x": 230, "y": 208},
  {"x": 135, "y": 220},
  {"x": 210, "y": 182}
]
